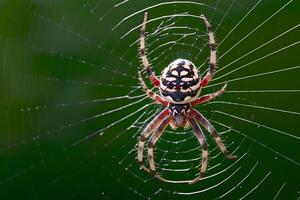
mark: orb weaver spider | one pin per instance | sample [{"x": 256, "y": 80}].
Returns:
[{"x": 179, "y": 87}]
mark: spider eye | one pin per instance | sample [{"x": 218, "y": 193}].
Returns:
[{"x": 175, "y": 112}]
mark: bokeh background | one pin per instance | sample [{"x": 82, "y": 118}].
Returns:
[{"x": 72, "y": 110}]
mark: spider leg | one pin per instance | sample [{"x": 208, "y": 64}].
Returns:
[
  {"x": 152, "y": 95},
  {"x": 209, "y": 97},
  {"x": 201, "y": 138},
  {"x": 213, "y": 53},
  {"x": 204, "y": 122},
  {"x": 146, "y": 133},
  {"x": 143, "y": 56},
  {"x": 154, "y": 138}
]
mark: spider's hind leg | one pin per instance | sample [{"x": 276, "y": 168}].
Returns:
[
  {"x": 143, "y": 55},
  {"x": 213, "y": 53}
]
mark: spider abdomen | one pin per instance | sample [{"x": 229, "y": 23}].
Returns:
[{"x": 180, "y": 82}]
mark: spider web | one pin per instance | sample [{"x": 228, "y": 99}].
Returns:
[{"x": 73, "y": 110}]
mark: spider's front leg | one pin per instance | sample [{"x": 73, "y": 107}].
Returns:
[
  {"x": 154, "y": 138},
  {"x": 143, "y": 55},
  {"x": 148, "y": 130},
  {"x": 201, "y": 138},
  {"x": 205, "y": 123}
]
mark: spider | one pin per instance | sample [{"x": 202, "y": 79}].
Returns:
[{"x": 179, "y": 87}]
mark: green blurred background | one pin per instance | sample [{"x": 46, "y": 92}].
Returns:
[{"x": 71, "y": 109}]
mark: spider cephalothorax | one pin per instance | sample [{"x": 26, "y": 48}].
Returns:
[
  {"x": 179, "y": 87},
  {"x": 179, "y": 113},
  {"x": 179, "y": 82}
]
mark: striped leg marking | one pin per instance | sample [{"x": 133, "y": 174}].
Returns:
[
  {"x": 204, "y": 122},
  {"x": 209, "y": 97},
  {"x": 152, "y": 95},
  {"x": 154, "y": 138},
  {"x": 213, "y": 53},
  {"x": 143, "y": 56},
  {"x": 148, "y": 130},
  {"x": 201, "y": 138}
]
